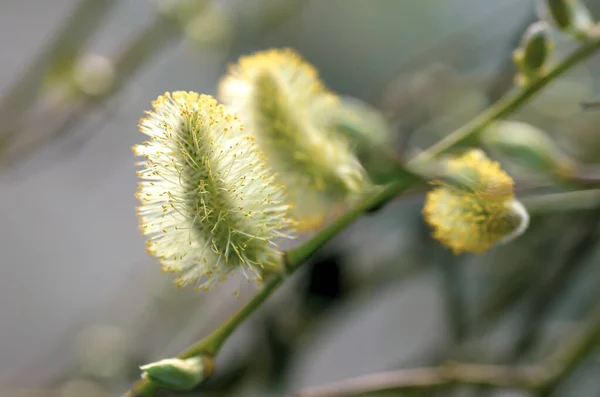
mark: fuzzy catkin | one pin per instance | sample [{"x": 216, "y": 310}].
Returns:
[
  {"x": 275, "y": 93},
  {"x": 478, "y": 213},
  {"x": 209, "y": 203}
]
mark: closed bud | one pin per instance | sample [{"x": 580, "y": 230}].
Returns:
[
  {"x": 570, "y": 16},
  {"x": 94, "y": 75},
  {"x": 527, "y": 147},
  {"x": 535, "y": 50},
  {"x": 179, "y": 374}
]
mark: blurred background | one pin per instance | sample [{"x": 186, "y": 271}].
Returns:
[{"x": 81, "y": 303}]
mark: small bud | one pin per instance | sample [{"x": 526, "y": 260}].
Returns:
[
  {"x": 570, "y": 16},
  {"x": 535, "y": 50},
  {"x": 481, "y": 212},
  {"x": 275, "y": 93},
  {"x": 94, "y": 75},
  {"x": 179, "y": 374},
  {"x": 527, "y": 147},
  {"x": 210, "y": 27}
]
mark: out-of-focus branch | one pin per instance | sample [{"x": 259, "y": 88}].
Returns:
[
  {"x": 566, "y": 359},
  {"x": 555, "y": 282},
  {"x": 57, "y": 114},
  {"x": 542, "y": 379},
  {"x": 452, "y": 275},
  {"x": 431, "y": 378},
  {"x": 561, "y": 202},
  {"x": 62, "y": 53}
]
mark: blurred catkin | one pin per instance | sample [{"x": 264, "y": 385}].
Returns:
[{"x": 274, "y": 93}]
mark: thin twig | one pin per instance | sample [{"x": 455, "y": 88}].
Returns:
[
  {"x": 56, "y": 119},
  {"x": 542, "y": 379},
  {"x": 591, "y": 104},
  {"x": 528, "y": 378},
  {"x": 566, "y": 359},
  {"x": 560, "y": 202},
  {"x": 555, "y": 283},
  {"x": 452, "y": 275}
]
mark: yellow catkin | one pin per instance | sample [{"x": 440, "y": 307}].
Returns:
[
  {"x": 276, "y": 94},
  {"x": 479, "y": 213},
  {"x": 210, "y": 205}
]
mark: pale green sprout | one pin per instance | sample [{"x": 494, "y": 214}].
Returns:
[{"x": 179, "y": 374}]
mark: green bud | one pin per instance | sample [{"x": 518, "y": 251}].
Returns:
[
  {"x": 94, "y": 75},
  {"x": 533, "y": 54},
  {"x": 179, "y": 374},
  {"x": 527, "y": 147},
  {"x": 570, "y": 16}
]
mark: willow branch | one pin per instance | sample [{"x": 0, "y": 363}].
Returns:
[
  {"x": 296, "y": 257},
  {"x": 294, "y": 260}
]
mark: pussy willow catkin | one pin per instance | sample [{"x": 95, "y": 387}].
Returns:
[
  {"x": 477, "y": 211},
  {"x": 275, "y": 93},
  {"x": 209, "y": 203}
]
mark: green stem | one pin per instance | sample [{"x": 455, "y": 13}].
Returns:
[
  {"x": 508, "y": 103},
  {"x": 296, "y": 257},
  {"x": 213, "y": 343}
]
